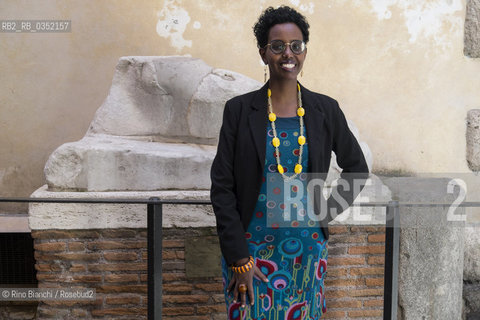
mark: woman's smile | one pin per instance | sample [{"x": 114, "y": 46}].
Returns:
[{"x": 288, "y": 66}]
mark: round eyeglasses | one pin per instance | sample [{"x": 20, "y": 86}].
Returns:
[{"x": 278, "y": 46}]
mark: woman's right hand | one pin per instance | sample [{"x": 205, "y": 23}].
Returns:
[{"x": 245, "y": 278}]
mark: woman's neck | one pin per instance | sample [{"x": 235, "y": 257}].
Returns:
[{"x": 284, "y": 97}]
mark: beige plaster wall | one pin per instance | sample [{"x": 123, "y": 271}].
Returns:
[{"x": 396, "y": 67}]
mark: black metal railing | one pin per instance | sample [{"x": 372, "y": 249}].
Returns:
[{"x": 154, "y": 242}]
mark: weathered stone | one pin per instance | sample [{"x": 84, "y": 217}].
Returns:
[
  {"x": 473, "y": 138},
  {"x": 149, "y": 96},
  {"x": 431, "y": 251},
  {"x": 104, "y": 163},
  {"x": 472, "y": 29},
  {"x": 43, "y": 216},
  {"x": 471, "y": 296},
  {"x": 159, "y": 122},
  {"x": 175, "y": 98},
  {"x": 471, "y": 268},
  {"x": 202, "y": 257},
  {"x": 206, "y": 107}
]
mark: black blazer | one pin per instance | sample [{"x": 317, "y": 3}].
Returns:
[{"x": 237, "y": 169}]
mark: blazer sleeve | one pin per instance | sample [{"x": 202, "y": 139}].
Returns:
[
  {"x": 222, "y": 194},
  {"x": 351, "y": 159}
]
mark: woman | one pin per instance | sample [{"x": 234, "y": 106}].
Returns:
[{"x": 275, "y": 134}]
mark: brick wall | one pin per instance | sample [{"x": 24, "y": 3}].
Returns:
[
  {"x": 354, "y": 283},
  {"x": 114, "y": 262},
  {"x": 111, "y": 261}
]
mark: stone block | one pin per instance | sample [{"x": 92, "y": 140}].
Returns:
[
  {"x": 112, "y": 163},
  {"x": 172, "y": 97},
  {"x": 472, "y": 29},
  {"x": 79, "y": 216},
  {"x": 149, "y": 96},
  {"x": 206, "y": 107},
  {"x": 202, "y": 257},
  {"x": 471, "y": 295},
  {"x": 471, "y": 268},
  {"x": 431, "y": 251},
  {"x": 473, "y": 138}
]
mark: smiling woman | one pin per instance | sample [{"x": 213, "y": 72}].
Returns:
[{"x": 277, "y": 134}]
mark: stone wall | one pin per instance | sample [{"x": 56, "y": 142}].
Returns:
[
  {"x": 473, "y": 139},
  {"x": 114, "y": 262},
  {"x": 472, "y": 29},
  {"x": 471, "y": 274}
]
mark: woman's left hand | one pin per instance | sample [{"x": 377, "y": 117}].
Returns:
[{"x": 245, "y": 278}]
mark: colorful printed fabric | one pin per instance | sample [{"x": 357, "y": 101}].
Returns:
[{"x": 292, "y": 253}]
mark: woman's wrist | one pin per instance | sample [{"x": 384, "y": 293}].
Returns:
[{"x": 241, "y": 262}]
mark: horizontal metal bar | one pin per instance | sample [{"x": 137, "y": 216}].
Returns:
[
  {"x": 106, "y": 201},
  {"x": 418, "y": 204},
  {"x": 208, "y": 202},
  {"x": 439, "y": 204}
]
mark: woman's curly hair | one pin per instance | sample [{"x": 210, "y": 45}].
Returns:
[{"x": 271, "y": 17}]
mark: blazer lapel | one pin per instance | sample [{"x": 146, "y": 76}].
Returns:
[
  {"x": 258, "y": 121},
  {"x": 315, "y": 128},
  {"x": 314, "y": 124}
]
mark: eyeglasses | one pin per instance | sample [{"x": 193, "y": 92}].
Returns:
[{"x": 278, "y": 46}]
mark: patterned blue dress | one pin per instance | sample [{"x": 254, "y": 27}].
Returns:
[{"x": 291, "y": 252}]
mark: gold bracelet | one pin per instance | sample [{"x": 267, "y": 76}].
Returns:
[{"x": 244, "y": 268}]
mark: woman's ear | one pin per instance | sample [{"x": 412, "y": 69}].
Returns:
[{"x": 262, "y": 52}]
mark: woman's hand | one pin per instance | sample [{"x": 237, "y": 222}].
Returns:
[{"x": 245, "y": 278}]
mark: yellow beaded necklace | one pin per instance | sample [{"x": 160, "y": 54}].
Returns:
[{"x": 276, "y": 142}]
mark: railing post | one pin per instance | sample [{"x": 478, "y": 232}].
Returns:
[
  {"x": 392, "y": 252},
  {"x": 154, "y": 251}
]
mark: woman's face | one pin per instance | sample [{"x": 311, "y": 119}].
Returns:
[{"x": 286, "y": 65}]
